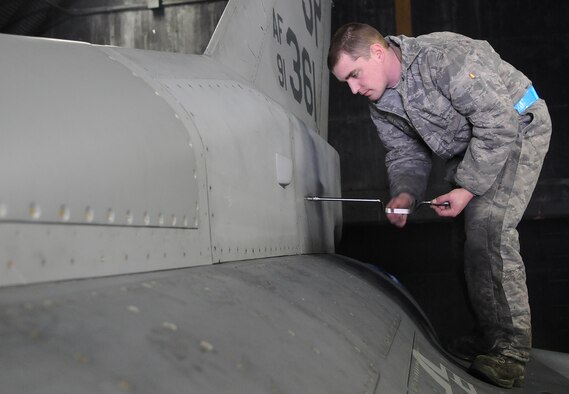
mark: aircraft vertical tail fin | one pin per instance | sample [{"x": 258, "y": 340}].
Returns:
[{"x": 281, "y": 50}]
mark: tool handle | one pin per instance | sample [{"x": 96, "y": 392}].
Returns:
[{"x": 441, "y": 204}]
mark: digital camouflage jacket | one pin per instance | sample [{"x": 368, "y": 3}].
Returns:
[{"x": 456, "y": 99}]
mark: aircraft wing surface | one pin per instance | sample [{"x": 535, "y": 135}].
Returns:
[{"x": 311, "y": 323}]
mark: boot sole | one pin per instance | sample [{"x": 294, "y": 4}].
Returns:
[{"x": 488, "y": 375}]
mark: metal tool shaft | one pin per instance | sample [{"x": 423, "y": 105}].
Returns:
[
  {"x": 400, "y": 211},
  {"x": 373, "y": 200}
]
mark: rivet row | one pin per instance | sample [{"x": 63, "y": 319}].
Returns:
[{"x": 35, "y": 213}]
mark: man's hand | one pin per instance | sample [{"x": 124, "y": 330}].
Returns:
[
  {"x": 403, "y": 200},
  {"x": 458, "y": 199}
]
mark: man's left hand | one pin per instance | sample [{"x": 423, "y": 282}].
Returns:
[{"x": 458, "y": 199}]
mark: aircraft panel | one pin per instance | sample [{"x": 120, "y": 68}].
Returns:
[
  {"x": 279, "y": 324},
  {"x": 229, "y": 118},
  {"x": 286, "y": 55},
  {"x": 73, "y": 117},
  {"x": 51, "y": 252},
  {"x": 317, "y": 169},
  {"x": 318, "y": 324},
  {"x": 247, "y": 138}
]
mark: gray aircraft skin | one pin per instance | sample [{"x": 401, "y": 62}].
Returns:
[{"x": 155, "y": 236}]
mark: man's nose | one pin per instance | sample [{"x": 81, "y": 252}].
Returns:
[{"x": 354, "y": 87}]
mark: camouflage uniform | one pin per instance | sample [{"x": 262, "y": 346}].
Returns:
[{"x": 456, "y": 99}]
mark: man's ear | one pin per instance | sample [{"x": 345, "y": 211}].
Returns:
[{"x": 377, "y": 51}]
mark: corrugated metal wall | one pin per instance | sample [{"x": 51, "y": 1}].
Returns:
[{"x": 166, "y": 25}]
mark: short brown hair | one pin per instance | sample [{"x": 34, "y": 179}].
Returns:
[{"x": 353, "y": 39}]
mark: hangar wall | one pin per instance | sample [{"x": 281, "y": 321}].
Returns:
[{"x": 183, "y": 26}]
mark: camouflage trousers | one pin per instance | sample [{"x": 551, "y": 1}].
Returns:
[{"x": 494, "y": 269}]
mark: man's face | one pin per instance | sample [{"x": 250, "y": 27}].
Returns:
[{"x": 365, "y": 76}]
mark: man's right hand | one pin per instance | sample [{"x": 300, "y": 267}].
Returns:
[{"x": 403, "y": 200}]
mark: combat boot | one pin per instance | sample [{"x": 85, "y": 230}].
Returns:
[{"x": 498, "y": 370}]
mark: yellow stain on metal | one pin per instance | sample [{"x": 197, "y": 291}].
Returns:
[
  {"x": 80, "y": 357},
  {"x": 124, "y": 385}
]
